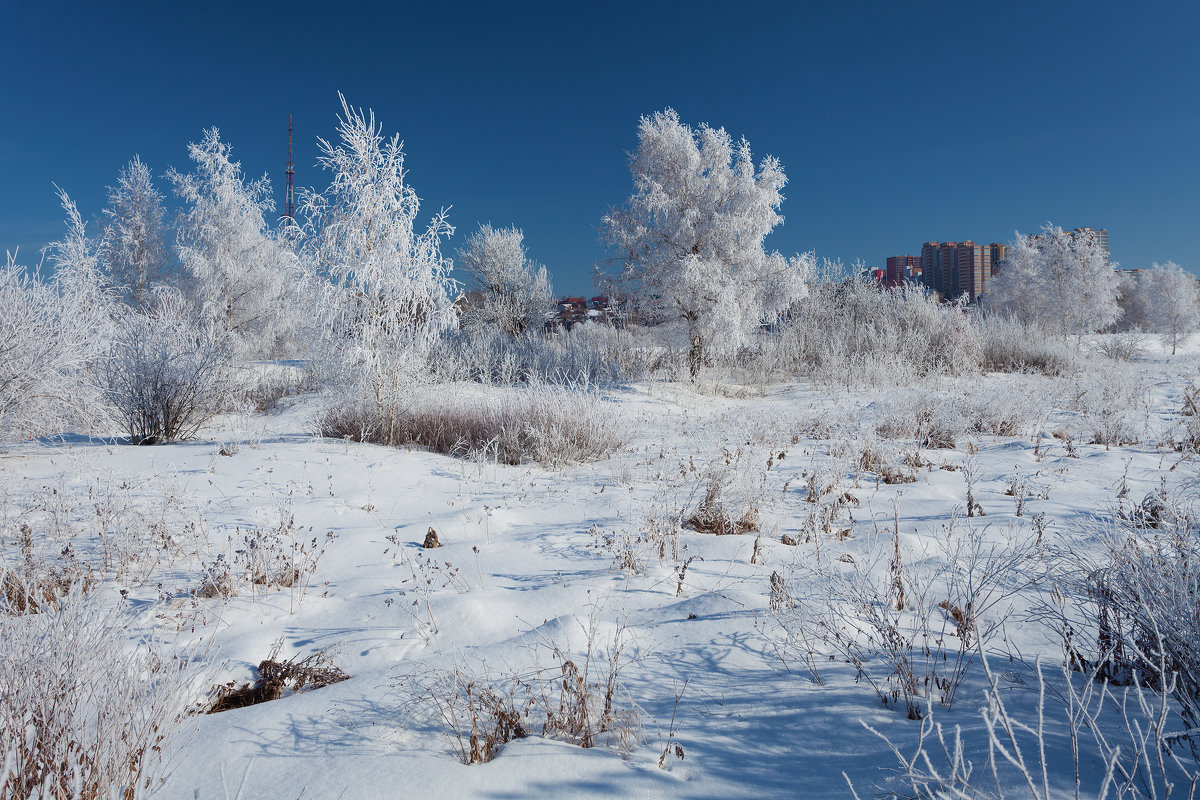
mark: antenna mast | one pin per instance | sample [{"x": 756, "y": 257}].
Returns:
[{"x": 290, "y": 200}]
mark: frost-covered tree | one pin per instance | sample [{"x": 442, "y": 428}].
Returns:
[
  {"x": 690, "y": 239},
  {"x": 240, "y": 271},
  {"x": 1168, "y": 299},
  {"x": 1131, "y": 304},
  {"x": 42, "y": 353},
  {"x": 1059, "y": 280},
  {"x": 389, "y": 293},
  {"x": 52, "y": 333},
  {"x": 134, "y": 244},
  {"x": 515, "y": 292},
  {"x": 78, "y": 272}
]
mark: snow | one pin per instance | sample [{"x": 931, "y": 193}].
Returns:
[{"x": 528, "y": 542}]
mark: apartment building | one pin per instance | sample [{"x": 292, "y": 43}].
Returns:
[{"x": 955, "y": 269}]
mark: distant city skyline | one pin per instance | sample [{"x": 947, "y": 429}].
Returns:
[{"x": 522, "y": 115}]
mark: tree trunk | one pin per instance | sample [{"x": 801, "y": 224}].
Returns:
[{"x": 696, "y": 357}]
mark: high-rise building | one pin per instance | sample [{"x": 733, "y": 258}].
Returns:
[
  {"x": 932, "y": 269},
  {"x": 959, "y": 268},
  {"x": 902, "y": 269},
  {"x": 999, "y": 252}
]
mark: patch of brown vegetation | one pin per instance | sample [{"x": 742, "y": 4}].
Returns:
[{"x": 314, "y": 671}]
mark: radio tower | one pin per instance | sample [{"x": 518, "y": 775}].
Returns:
[{"x": 290, "y": 199}]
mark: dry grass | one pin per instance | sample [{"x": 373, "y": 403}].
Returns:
[
  {"x": 546, "y": 425},
  {"x": 714, "y": 516},
  {"x": 82, "y": 715},
  {"x": 32, "y": 583},
  {"x": 314, "y": 671},
  {"x": 576, "y": 698}
]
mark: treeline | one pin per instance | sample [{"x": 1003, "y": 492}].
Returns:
[{"x": 149, "y": 323}]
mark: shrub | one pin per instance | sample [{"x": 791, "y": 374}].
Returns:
[
  {"x": 911, "y": 632},
  {"x": 82, "y": 715},
  {"x": 1114, "y": 406},
  {"x": 262, "y": 385},
  {"x": 1139, "y": 601},
  {"x": 1009, "y": 345},
  {"x": 1129, "y": 346},
  {"x": 593, "y": 354},
  {"x": 933, "y": 420},
  {"x": 33, "y": 582},
  {"x": 165, "y": 376},
  {"x": 853, "y": 332},
  {"x": 578, "y": 698},
  {"x": 296, "y": 674},
  {"x": 265, "y": 559},
  {"x": 1124, "y": 753},
  {"x": 546, "y": 425},
  {"x": 712, "y": 515}
]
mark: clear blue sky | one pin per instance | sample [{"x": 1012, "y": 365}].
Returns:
[{"x": 896, "y": 123}]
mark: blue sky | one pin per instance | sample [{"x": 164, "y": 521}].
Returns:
[{"x": 896, "y": 123}]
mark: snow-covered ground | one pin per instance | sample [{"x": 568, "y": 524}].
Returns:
[{"x": 535, "y": 559}]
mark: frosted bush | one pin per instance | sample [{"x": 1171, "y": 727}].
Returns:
[
  {"x": 546, "y": 425},
  {"x": 261, "y": 386},
  {"x": 1127, "y": 346},
  {"x": 853, "y": 332},
  {"x": 931, "y": 419},
  {"x": 1120, "y": 744},
  {"x": 940, "y": 418},
  {"x": 578, "y": 697},
  {"x": 85, "y": 713},
  {"x": 1114, "y": 406},
  {"x": 1008, "y": 345},
  {"x": 587, "y": 354},
  {"x": 911, "y": 626},
  {"x": 165, "y": 375},
  {"x": 1136, "y": 615},
  {"x": 998, "y": 411}
]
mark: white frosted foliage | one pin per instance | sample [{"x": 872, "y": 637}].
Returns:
[
  {"x": 389, "y": 289},
  {"x": 514, "y": 291},
  {"x": 241, "y": 273},
  {"x": 1059, "y": 280},
  {"x": 134, "y": 245},
  {"x": 690, "y": 238},
  {"x": 1170, "y": 302}
]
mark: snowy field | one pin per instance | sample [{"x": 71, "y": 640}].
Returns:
[{"x": 926, "y": 527}]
